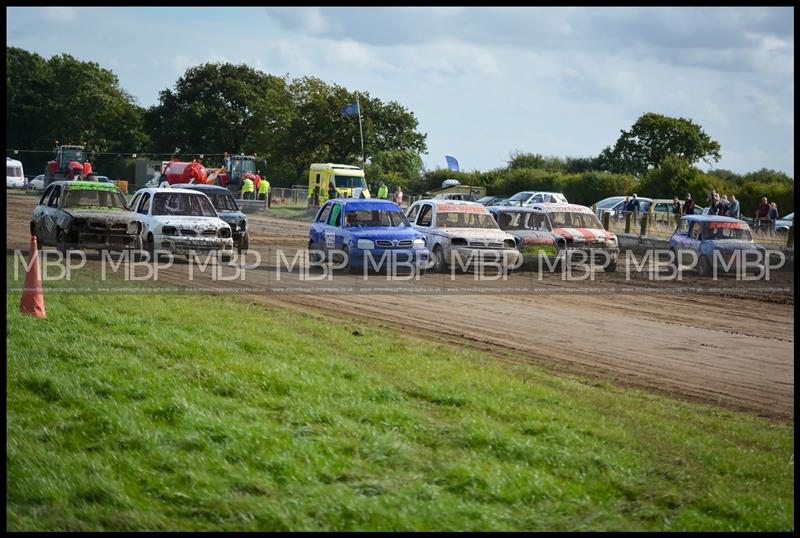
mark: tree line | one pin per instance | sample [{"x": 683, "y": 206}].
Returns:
[{"x": 289, "y": 123}]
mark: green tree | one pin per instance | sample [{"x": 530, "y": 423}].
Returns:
[
  {"x": 672, "y": 178},
  {"x": 399, "y": 167},
  {"x": 215, "y": 108},
  {"x": 68, "y": 100},
  {"x": 652, "y": 139}
]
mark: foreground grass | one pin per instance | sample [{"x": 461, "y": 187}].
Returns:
[{"x": 199, "y": 413}]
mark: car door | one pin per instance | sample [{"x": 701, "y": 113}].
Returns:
[
  {"x": 39, "y": 214},
  {"x": 51, "y": 214},
  {"x": 317, "y": 232},
  {"x": 334, "y": 236},
  {"x": 143, "y": 210}
]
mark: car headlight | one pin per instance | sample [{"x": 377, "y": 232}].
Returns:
[
  {"x": 225, "y": 231},
  {"x": 135, "y": 227},
  {"x": 365, "y": 244},
  {"x": 458, "y": 242},
  {"x": 419, "y": 243},
  {"x": 169, "y": 230},
  {"x": 509, "y": 243}
]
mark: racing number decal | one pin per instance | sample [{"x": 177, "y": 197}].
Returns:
[{"x": 330, "y": 239}]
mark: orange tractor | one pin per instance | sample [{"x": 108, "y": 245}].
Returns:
[{"x": 69, "y": 163}]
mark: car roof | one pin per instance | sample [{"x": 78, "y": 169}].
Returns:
[
  {"x": 202, "y": 187},
  {"x": 168, "y": 189},
  {"x": 709, "y": 218},
  {"x": 513, "y": 208},
  {"x": 356, "y": 201},
  {"x": 575, "y": 208},
  {"x": 94, "y": 185},
  {"x": 443, "y": 201}
]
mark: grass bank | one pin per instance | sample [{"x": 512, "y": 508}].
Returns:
[{"x": 203, "y": 413}]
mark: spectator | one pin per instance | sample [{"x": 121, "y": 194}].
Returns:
[
  {"x": 688, "y": 205},
  {"x": 762, "y": 212},
  {"x": 723, "y": 206},
  {"x": 383, "y": 191},
  {"x": 332, "y": 193},
  {"x": 473, "y": 195},
  {"x": 676, "y": 207},
  {"x": 711, "y": 199},
  {"x": 633, "y": 205},
  {"x": 733, "y": 208},
  {"x": 773, "y": 215},
  {"x": 398, "y": 196}
]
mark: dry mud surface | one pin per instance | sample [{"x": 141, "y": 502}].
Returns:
[{"x": 727, "y": 343}]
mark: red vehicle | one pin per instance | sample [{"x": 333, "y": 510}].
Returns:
[
  {"x": 177, "y": 172},
  {"x": 69, "y": 163},
  {"x": 235, "y": 169}
]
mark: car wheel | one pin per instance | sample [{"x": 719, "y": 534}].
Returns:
[
  {"x": 612, "y": 267},
  {"x": 315, "y": 257},
  {"x": 244, "y": 243},
  {"x": 704, "y": 267},
  {"x": 439, "y": 265},
  {"x": 350, "y": 268},
  {"x": 151, "y": 247},
  {"x": 61, "y": 242}
]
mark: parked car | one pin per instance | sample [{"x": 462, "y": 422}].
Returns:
[
  {"x": 103, "y": 179},
  {"x": 714, "y": 240},
  {"x": 37, "y": 183},
  {"x": 465, "y": 231},
  {"x": 490, "y": 201},
  {"x": 664, "y": 205},
  {"x": 352, "y": 228},
  {"x": 223, "y": 201},
  {"x": 181, "y": 221},
  {"x": 782, "y": 225},
  {"x": 559, "y": 231},
  {"x": 615, "y": 204},
  {"x": 84, "y": 214},
  {"x": 530, "y": 197}
]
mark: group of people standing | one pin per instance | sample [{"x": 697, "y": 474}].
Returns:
[
  {"x": 720, "y": 205},
  {"x": 766, "y": 213},
  {"x": 383, "y": 193}
]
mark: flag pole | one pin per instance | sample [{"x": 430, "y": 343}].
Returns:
[{"x": 360, "y": 130}]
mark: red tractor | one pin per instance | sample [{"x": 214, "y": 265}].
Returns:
[
  {"x": 69, "y": 163},
  {"x": 235, "y": 169}
]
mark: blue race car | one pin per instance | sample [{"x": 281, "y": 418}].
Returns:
[
  {"x": 365, "y": 234},
  {"x": 719, "y": 243}
]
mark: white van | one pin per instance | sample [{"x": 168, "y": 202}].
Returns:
[{"x": 14, "y": 176}]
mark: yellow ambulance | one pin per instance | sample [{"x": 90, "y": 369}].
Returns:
[{"x": 348, "y": 180}]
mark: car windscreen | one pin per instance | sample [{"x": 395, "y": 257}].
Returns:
[
  {"x": 726, "y": 230},
  {"x": 182, "y": 204},
  {"x": 568, "y": 219},
  {"x": 520, "y": 196},
  {"x": 349, "y": 182},
  {"x": 223, "y": 201},
  {"x": 453, "y": 219},
  {"x": 368, "y": 218},
  {"x": 522, "y": 220},
  {"x": 608, "y": 204},
  {"x": 94, "y": 198}
]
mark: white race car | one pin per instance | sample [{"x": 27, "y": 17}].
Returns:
[
  {"x": 460, "y": 233},
  {"x": 181, "y": 221}
]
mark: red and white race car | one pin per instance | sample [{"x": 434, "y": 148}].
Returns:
[{"x": 576, "y": 229}]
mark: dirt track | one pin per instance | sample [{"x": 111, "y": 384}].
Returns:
[{"x": 730, "y": 344}]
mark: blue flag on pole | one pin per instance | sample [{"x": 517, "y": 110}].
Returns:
[
  {"x": 350, "y": 110},
  {"x": 452, "y": 163}
]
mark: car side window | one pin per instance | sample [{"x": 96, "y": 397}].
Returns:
[
  {"x": 336, "y": 215},
  {"x": 134, "y": 202},
  {"x": 412, "y": 213},
  {"x": 425, "y": 215},
  {"x": 56, "y": 194},
  {"x": 537, "y": 199},
  {"x": 694, "y": 231},
  {"x": 143, "y": 205},
  {"x": 46, "y": 195},
  {"x": 644, "y": 206},
  {"x": 683, "y": 227},
  {"x": 323, "y": 215}
]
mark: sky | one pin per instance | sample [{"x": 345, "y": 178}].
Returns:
[{"x": 483, "y": 82}]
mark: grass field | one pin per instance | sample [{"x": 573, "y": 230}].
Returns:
[{"x": 205, "y": 413}]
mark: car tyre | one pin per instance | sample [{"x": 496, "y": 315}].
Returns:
[
  {"x": 612, "y": 267},
  {"x": 350, "y": 268},
  {"x": 704, "y": 266},
  {"x": 244, "y": 243},
  {"x": 439, "y": 265},
  {"x": 61, "y": 242}
]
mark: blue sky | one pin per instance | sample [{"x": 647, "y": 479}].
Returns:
[{"x": 483, "y": 82}]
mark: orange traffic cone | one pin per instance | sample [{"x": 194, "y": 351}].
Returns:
[{"x": 32, "y": 297}]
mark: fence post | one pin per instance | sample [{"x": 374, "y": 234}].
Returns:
[
  {"x": 607, "y": 220},
  {"x": 645, "y": 221},
  {"x": 628, "y": 222},
  {"x": 790, "y": 237}
]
